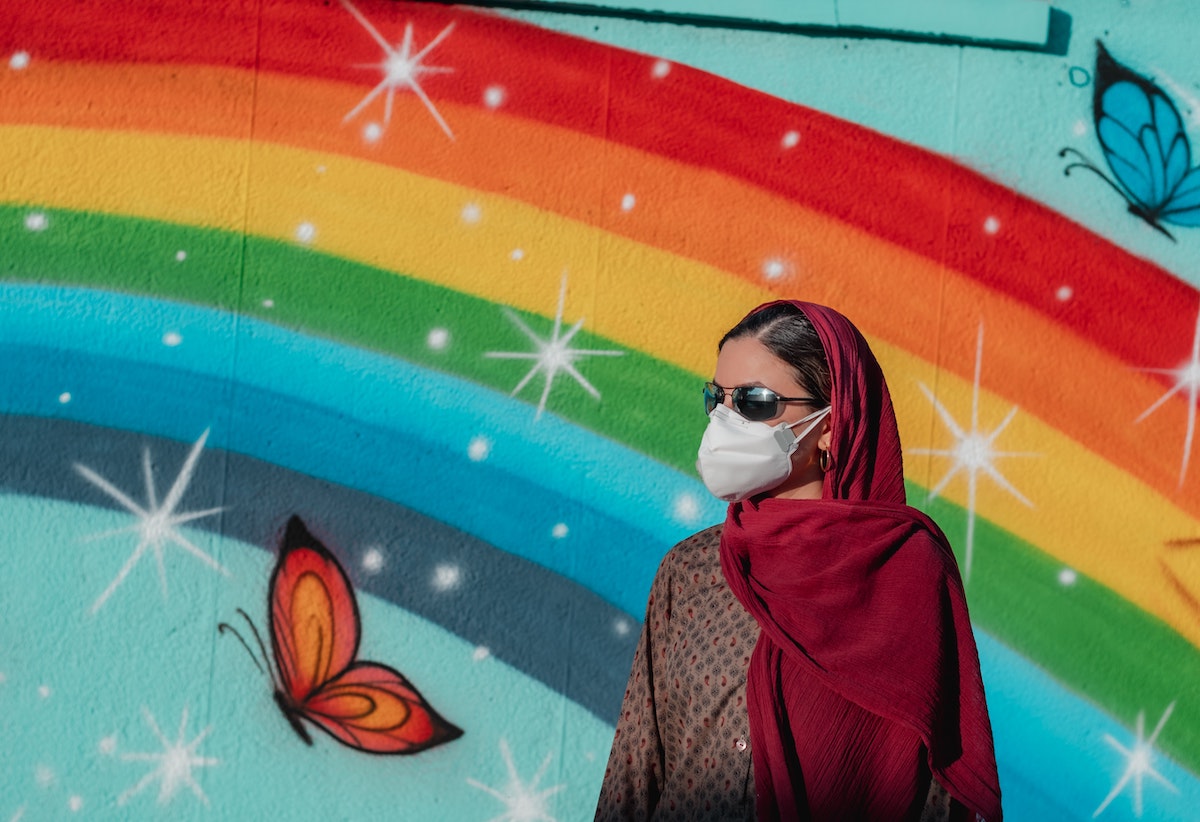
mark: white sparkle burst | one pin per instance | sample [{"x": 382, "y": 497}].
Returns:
[
  {"x": 552, "y": 355},
  {"x": 973, "y": 452},
  {"x": 523, "y": 803},
  {"x": 1187, "y": 378},
  {"x": 1138, "y": 763},
  {"x": 174, "y": 764},
  {"x": 156, "y": 524},
  {"x": 401, "y": 69},
  {"x": 16, "y": 817}
]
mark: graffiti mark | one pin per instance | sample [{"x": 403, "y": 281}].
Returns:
[
  {"x": 1079, "y": 76},
  {"x": 315, "y": 633},
  {"x": 401, "y": 70},
  {"x": 1175, "y": 566},
  {"x": 522, "y": 803},
  {"x": 156, "y": 524},
  {"x": 1187, "y": 379},
  {"x": 552, "y": 355},
  {"x": 1138, "y": 763},
  {"x": 1145, "y": 147},
  {"x": 173, "y": 765},
  {"x": 973, "y": 453}
]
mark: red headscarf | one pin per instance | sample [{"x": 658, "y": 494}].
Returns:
[{"x": 865, "y": 677}]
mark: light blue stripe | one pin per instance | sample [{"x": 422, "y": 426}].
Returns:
[{"x": 1054, "y": 761}]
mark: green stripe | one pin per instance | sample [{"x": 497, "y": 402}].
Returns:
[{"x": 1098, "y": 644}]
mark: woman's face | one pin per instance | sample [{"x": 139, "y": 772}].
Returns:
[{"x": 745, "y": 361}]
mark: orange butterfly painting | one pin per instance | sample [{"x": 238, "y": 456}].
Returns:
[{"x": 315, "y": 633}]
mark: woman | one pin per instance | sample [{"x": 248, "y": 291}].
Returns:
[{"x": 812, "y": 658}]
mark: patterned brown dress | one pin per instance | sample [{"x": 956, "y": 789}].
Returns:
[{"x": 682, "y": 745}]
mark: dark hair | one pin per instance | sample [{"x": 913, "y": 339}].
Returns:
[{"x": 785, "y": 332}]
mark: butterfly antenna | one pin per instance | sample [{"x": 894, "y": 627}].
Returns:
[
  {"x": 222, "y": 627},
  {"x": 1085, "y": 163}
]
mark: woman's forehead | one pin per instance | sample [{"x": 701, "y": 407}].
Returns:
[{"x": 746, "y": 361}]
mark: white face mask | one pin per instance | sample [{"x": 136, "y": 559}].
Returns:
[{"x": 739, "y": 458}]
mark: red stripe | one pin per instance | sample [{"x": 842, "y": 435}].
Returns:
[{"x": 904, "y": 194}]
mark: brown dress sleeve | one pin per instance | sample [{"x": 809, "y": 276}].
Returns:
[{"x": 633, "y": 780}]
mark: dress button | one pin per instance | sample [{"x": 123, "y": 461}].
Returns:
[{"x": 740, "y": 744}]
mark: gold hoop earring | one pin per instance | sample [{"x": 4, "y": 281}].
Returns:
[{"x": 826, "y": 461}]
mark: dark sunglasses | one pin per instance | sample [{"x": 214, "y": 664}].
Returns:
[{"x": 754, "y": 402}]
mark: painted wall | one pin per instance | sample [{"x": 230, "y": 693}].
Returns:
[{"x": 443, "y": 285}]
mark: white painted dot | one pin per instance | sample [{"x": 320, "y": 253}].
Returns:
[
  {"x": 775, "y": 268},
  {"x": 372, "y": 561},
  {"x": 37, "y": 221},
  {"x": 517, "y": 254},
  {"x": 481, "y": 653},
  {"x": 180, "y": 255},
  {"x": 622, "y": 626},
  {"x": 44, "y": 691},
  {"x": 628, "y": 202},
  {"x": 1080, "y": 128},
  {"x": 1064, "y": 293},
  {"x": 991, "y": 225},
  {"x": 320, "y": 169},
  {"x": 686, "y": 508},
  {"x": 108, "y": 745},
  {"x": 472, "y": 213},
  {"x": 493, "y": 96},
  {"x": 3, "y": 678},
  {"x": 590, "y": 756},
  {"x": 446, "y": 577},
  {"x": 64, "y": 397},
  {"x": 438, "y": 339},
  {"x": 43, "y": 775},
  {"x": 661, "y": 69},
  {"x": 268, "y": 303},
  {"x": 19, "y": 60},
  {"x": 1067, "y": 576},
  {"x": 306, "y": 232},
  {"x": 479, "y": 449},
  {"x": 372, "y": 132},
  {"x": 75, "y": 803},
  {"x": 791, "y": 139},
  {"x": 172, "y": 338},
  {"x": 560, "y": 530}
]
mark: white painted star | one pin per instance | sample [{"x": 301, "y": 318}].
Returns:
[
  {"x": 1187, "y": 378},
  {"x": 174, "y": 764},
  {"x": 523, "y": 803},
  {"x": 156, "y": 524},
  {"x": 552, "y": 355},
  {"x": 1137, "y": 763},
  {"x": 401, "y": 69},
  {"x": 973, "y": 452}
]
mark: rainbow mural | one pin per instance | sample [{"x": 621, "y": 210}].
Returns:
[{"x": 446, "y": 285}]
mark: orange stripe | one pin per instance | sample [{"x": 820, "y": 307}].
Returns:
[{"x": 894, "y": 294}]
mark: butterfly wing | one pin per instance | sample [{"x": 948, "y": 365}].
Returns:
[
  {"x": 374, "y": 708},
  {"x": 1144, "y": 142},
  {"x": 1184, "y": 207},
  {"x": 315, "y": 627},
  {"x": 315, "y": 632}
]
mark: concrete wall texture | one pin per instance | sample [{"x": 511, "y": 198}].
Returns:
[{"x": 439, "y": 287}]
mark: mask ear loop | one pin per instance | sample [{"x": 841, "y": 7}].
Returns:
[{"x": 816, "y": 418}]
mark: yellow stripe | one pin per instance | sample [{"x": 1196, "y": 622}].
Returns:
[{"x": 1088, "y": 513}]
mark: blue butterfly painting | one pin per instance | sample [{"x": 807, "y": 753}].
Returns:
[{"x": 1145, "y": 146}]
